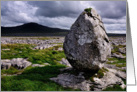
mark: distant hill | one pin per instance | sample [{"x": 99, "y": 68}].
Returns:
[{"x": 34, "y": 29}]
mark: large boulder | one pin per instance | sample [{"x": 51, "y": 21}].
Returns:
[{"x": 87, "y": 45}]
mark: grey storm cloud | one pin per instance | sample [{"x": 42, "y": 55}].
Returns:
[
  {"x": 62, "y": 14},
  {"x": 111, "y": 9},
  {"x": 108, "y": 9},
  {"x": 57, "y": 8}
]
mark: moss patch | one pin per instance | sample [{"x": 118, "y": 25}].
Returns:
[
  {"x": 88, "y": 10},
  {"x": 98, "y": 74},
  {"x": 101, "y": 72}
]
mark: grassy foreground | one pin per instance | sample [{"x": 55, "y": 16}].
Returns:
[{"x": 34, "y": 79}]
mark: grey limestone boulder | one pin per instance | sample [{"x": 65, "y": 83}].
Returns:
[{"x": 87, "y": 45}]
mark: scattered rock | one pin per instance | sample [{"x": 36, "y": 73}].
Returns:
[
  {"x": 111, "y": 61},
  {"x": 60, "y": 49},
  {"x": 30, "y": 40},
  {"x": 18, "y": 63},
  {"x": 46, "y": 64},
  {"x": 65, "y": 62},
  {"x": 44, "y": 46},
  {"x": 122, "y": 50},
  {"x": 118, "y": 55},
  {"x": 114, "y": 43},
  {"x": 120, "y": 74},
  {"x": 5, "y": 49},
  {"x": 39, "y": 65},
  {"x": 111, "y": 66},
  {"x": 86, "y": 45}
]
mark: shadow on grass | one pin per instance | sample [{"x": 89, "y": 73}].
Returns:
[{"x": 34, "y": 79}]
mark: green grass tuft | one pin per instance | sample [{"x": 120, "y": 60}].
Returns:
[
  {"x": 114, "y": 88},
  {"x": 88, "y": 10},
  {"x": 118, "y": 62},
  {"x": 11, "y": 70}
]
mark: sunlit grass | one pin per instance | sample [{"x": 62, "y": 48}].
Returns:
[{"x": 50, "y": 55}]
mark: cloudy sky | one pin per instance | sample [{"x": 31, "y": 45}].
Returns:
[{"x": 62, "y": 14}]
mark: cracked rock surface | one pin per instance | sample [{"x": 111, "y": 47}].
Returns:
[{"x": 110, "y": 78}]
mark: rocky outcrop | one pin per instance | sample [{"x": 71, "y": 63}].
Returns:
[
  {"x": 18, "y": 63},
  {"x": 110, "y": 78},
  {"x": 87, "y": 46},
  {"x": 79, "y": 81},
  {"x": 72, "y": 81}
]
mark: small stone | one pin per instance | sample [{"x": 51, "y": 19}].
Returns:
[
  {"x": 5, "y": 49},
  {"x": 118, "y": 55},
  {"x": 122, "y": 50},
  {"x": 60, "y": 49},
  {"x": 65, "y": 62},
  {"x": 37, "y": 65},
  {"x": 46, "y": 64}
]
